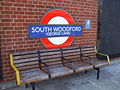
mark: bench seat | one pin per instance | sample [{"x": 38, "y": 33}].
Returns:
[
  {"x": 83, "y": 67},
  {"x": 79, "y": 66},
  {"x": 60, "y": 70},
  {"x": 98, "y": 63},
  {"x": 32, "y": 75}
]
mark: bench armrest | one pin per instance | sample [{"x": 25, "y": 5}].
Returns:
[
  {"x": 16, "y": 70},
  {"x": 108, "y": 58},
  {"x": 47, "y": 68}
]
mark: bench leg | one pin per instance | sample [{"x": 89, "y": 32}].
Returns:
[
  {"x": 73, "y": 71},
  {"x": 26, "y": 85},
  {"x": 98, "y": 73},
  {"x": 33, "y": 85},
  {"x": 85, "y": 71}
]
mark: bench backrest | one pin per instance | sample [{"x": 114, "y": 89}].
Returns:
[
  {"x": 72, "y": 53},
  {"x": 26, "y": 60},
  {"x": 30, "y": 60},
  {"x": 89, "y": 51},
  {"x": 51, "y": 56}
]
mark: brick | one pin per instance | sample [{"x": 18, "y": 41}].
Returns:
[
  {"x": 8, "y": 24},
  {"x": 30, "y": 5},
  {"x": 40, "y": 6},
  {"x": 2, "y": 24},
  {"x": 6, "y": 8},
  {"x": 7, "y": 20},
  {"x": 49, "y": 6},
  {"x": 7, "y": 12},
  {"x": 18, "y": 12},
  {"x": 13, "y": 8},
  {"x": 19, "y": 1},
  {"x": 6, "y": 4},
  {"x": 18, "y": 5},
  {"x": 17, "y": 15},
  {"x": 19, "y": 20},
  {"x": 6, "y": 16},
  {"x": 7, "y": 28},
  {"x": 29, "y": 13},
  {"x": 13, "y": 16},
  {"x": 12, "y": 0}
]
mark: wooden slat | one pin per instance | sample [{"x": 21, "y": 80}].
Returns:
[
  {"x": 49, "y": 50},
  {"x": 30, "y": 70},
  {"x": 86, "y": 49},
  {"x": 73, "y": 60},
  {"x": 54, "y": 63},
  {"x": 60, "y": 70},
  {"x": 73, "y": 57},
  {"x": 72, "y": 54},
  {"x": 24, "y": 53},
  {"x": 28, "y": 67},
  {"x": 84, "y": 67},
  {"x": 99, "y": 63},
  {"x": 25, "y": 56},
  {"x": 35, "y": 75},
  {"x": 26, "y": 64},
  {"x": 88, "y": 52},
  {"x": 71, "y": 51},
  {"x": 25, "y": 60},
  {"x": 70, "y": 48},
  {"x": 50, "y": 53},
  {"x": 50, "y": 57},
  {"x": 52, "y": 60}
]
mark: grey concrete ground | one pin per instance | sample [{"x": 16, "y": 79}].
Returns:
[{"x": 109, "y": 80}]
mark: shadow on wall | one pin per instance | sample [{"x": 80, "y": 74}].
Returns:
[{"x": 1, "y": 76}]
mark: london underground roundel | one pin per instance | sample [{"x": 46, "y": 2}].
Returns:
[{"x": 57, "y": 17}]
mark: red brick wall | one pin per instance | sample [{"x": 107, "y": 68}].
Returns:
[{"x": 17, "y": 15}]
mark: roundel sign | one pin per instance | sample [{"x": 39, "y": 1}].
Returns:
[{"x": 57, "y": 17}]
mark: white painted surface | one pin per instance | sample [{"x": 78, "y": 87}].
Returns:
[{"x": 58, "y": 40}]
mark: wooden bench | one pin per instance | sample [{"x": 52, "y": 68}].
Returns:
[
  {"x": 41, "y": 65},
  {"x": 90, "y": 52}
]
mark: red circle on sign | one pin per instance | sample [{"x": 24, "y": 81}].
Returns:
[{"x": 51, "y": 14}]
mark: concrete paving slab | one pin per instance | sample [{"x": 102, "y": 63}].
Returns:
[{"x": 62, "y": 83}]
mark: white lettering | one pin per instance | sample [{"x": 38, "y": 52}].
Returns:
[{"x": 37, "y": 30}]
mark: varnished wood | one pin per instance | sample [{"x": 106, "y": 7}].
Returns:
[
  {"x": 61, "y": 62},
  {"x": 91, "y": 53},
  {"x": 77, "y": 59}
]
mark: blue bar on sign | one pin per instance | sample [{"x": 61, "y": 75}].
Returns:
[{"x": 39, "y": 31}]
